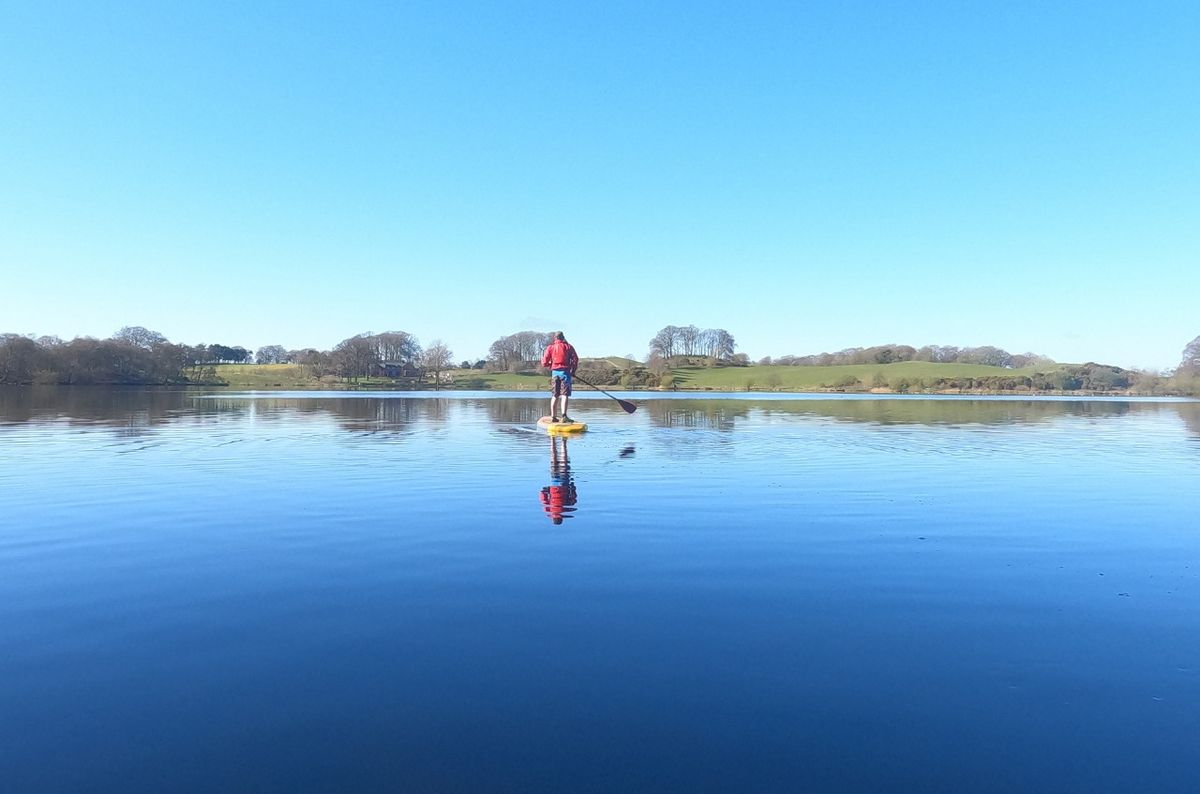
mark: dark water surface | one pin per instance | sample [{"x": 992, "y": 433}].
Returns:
[{"x": 282, "y": 592}]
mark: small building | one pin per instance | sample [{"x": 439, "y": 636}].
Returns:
[{"x": 397, "y": 369}]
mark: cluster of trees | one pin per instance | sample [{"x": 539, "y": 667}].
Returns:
[
  {"x": 1085, "y": 377},
  {"x": 1190, "y": 364},
  {"x": 363, "y": 355},
  {"x": 396, "y": 353},
  {"x": 520, "y": 351},
  {"x": 136, "y": 355},
  {"x": 1184, "y": 380},
  {"x": 889, "y": 354},
  {"x": 688, "y": 340},
  {"x": 196, "y": 355},
  {"x": 132, "y": 355}
]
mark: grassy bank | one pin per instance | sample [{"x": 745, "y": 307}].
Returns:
[
  {"x": 783, "y": 378},
  {"x": 267, "y": 376},
  {"x": 755, "y": 378}
]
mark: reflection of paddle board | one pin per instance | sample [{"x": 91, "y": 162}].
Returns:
[{"x": 561, "y": 427}]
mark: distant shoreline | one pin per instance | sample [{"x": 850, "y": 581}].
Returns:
[
  {"x": 583, "y": 391},
  {"x": 908, "y": 377}
]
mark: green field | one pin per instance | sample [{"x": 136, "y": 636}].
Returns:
[
  {"x": 266, "y": 376},
  {"x": 782, "y": 378},
  {"x": 774, "y": 378},
  {"x": 753, "y": 378},
  {"x": 502, "y": 381}
]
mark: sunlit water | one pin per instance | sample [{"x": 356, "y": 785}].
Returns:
[{"x": 279, "y": 592}]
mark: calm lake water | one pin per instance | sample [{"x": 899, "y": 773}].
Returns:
[{"x": 289, "y": 591}]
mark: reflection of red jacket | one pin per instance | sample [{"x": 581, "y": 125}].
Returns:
[
  {"x": 557, "y": 500},
  {"x": 560, "y": 355}
]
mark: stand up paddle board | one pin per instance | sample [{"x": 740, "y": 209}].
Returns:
[{"x": 560, "y": 427}]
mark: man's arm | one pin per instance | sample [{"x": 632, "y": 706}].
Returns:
[
  {"x": 574, "y": 360},
  {"x": 546, "y": 359}
]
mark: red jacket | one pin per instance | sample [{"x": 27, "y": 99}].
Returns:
[{"x": 560, "y": 355}]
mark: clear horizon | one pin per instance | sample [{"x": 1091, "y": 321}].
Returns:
[{"x": 808, "y": 178}]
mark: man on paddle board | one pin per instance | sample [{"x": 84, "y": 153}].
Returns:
[{"x": 562, "y": 362}]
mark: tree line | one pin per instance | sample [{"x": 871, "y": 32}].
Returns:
[
  {"x": 392, "y": 354},
  {"x": 136, "y": 355},
  {"x": 131, "y": 355},
  {"x": 690, "y": 341},
  {"x": 890, "y": 354}
]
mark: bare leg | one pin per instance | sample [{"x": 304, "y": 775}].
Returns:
[
  {"x": 553, "y": 406},
  {"x": 564, "y": 406}
]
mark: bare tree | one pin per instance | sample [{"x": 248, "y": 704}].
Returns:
[
  {"x": 20, "y": 358},
  {"x": 271, "y": 354},
  {"x": 138, "y": 336},
  {"x": 689, "y": 340},
  {"x": 398, "y": 347},
  {"x": 437, "y": 359},
  {"x": 355, "y": 357},
  {"x": 666, "y": 342},
  {"x": 318, "y": 361},
  {"x": 723, "y": 344},
  {"x": 519, "y": 350},
  {"x": 1190, "y": 364},
  {"x": 657, "y": 364}
]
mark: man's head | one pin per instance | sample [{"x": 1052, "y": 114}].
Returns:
[{"x": 559, "y": 336}]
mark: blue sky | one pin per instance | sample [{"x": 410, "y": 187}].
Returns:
[{"x": 808, "y": 176}]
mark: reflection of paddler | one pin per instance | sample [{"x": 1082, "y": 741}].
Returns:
[{"x": 559, "y": 497}]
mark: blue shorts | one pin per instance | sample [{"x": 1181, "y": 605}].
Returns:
[{"x": 560, "y": 383}]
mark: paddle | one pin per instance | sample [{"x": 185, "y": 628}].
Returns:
[{"x": 626, "y": 406}]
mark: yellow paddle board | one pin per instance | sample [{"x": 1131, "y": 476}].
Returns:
[{"x": 561, "y": 427}]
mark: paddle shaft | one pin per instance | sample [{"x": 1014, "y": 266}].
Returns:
[{"x": 626, "y": 406}]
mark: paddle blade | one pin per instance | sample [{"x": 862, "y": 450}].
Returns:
[{"x": 626, "y": 406}]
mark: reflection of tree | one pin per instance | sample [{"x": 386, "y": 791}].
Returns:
[
  {"x": 512, "y": 410},
  {"x": 958, "y": 412},
  {"x": 372, "y": 415},
  {"x": 1190, "y": 414},
  {"x": 360, "y": 414},
  {"x": 560, "y": 496},
  {"x": 703, "y": 414},
  {"x": 722, "y": 414},
  {"x": 130, "y": 411},
  {"x": 137, "y": 411}
]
